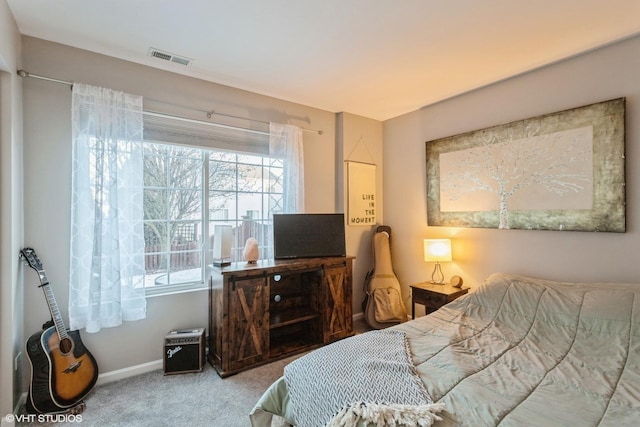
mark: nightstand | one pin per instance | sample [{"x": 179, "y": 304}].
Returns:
[{"x": 433, "y": 296}]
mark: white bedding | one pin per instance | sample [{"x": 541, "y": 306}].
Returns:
[{"x": 525, "y": 352}]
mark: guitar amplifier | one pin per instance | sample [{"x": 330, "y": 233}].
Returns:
[{"x": 183, "y": 351}]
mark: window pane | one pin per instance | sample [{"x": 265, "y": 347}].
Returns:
[
  {"x": 173, "y": 214},
  {"x": 275, "y": 204},
  {"x": 185, "y": 173},
  {"x": 254, "y": 160},
  {"x": 222, "y": 205},
  {"x": 192, "y": 275},
  {"x": 155, "y": 166},
  {"x": 155, "y": 236},
  {"x": 276, "y": 163},
  {"x": 185, "y": 204},
  {"x": 274, "y": 180},
  {"x": 250, "y": 205},
  {"x": 223, "y": 155},
  {"x": 184, "y": 152},
  {"x": 249, "y": 178},
  {"x": 183, "y": 232},
  {"x": 222, "y": 175},
  {"x": 155, "y": 263},
  {"x": 155, "y": 204},
  {"x": 184, "y": 260}
]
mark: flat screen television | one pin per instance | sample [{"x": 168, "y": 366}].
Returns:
[{"x": 308, "y": 235}]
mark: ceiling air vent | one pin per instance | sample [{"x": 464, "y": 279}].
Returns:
[{"x": 166, "y": 56}]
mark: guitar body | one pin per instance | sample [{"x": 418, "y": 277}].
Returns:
[{"x": 62, "y": 372}]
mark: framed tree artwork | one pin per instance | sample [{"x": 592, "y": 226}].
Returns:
[{"x": 560, "y": 171}]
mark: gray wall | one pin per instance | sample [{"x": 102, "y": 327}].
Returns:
[
  {"x": 47, "y": 145},
  {"x": 359, "y": 140},
  {"x": 600, "y": 75},
  {"x": 11, "y": 222}
]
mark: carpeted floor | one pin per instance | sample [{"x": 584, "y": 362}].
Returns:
[{"x": 197, "y": 399}]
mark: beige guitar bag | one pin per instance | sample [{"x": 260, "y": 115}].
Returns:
[{"x": 383, "y": 304}]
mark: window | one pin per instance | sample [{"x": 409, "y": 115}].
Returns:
[
  {"x": 187, "y": 191},
  {"x": 142, "y": 199}
]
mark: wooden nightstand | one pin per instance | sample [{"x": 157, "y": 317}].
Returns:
[{"x": 433, "y": 296}]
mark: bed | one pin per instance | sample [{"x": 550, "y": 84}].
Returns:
[{"x": 518, "y": 351}]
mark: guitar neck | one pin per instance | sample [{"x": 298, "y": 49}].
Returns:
[
  {"x": 29, "y": 255},
  {"x": 53, "y": 306}
]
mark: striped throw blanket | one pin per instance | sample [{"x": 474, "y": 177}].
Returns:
[{"x": 359, "y": 378}]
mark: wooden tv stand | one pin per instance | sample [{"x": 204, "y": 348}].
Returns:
[{"x": 266, "y": 311}]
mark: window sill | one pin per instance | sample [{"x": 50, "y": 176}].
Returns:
[{"x": 172, "y": 290}]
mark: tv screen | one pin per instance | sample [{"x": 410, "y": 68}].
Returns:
[{"x": 308, "y": 235}]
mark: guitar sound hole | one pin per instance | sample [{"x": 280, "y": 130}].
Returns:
[{"x": 66, "y": 345}]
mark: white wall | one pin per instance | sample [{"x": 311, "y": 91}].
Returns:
[
  {"x": 47, "y": 145},
  {"x": 11, "y": 223},
  {"x": 600, "y": 75}
]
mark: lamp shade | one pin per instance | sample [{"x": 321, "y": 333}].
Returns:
[{"x": 436, "y": 250}]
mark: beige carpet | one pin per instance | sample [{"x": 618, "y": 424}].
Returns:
[{"x": 197, "y": 399}]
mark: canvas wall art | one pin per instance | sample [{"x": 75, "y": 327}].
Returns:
[
  {"x": 559, "y": 171},
  {"x": 361, "y": 193}
]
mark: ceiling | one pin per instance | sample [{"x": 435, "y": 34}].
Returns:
[{"x": 374, "y": 58}]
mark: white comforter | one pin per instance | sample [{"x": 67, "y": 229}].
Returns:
[{"x": 528, "y": 352}]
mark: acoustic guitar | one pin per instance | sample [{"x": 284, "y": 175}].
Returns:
[{"x": 63, "y": 371}]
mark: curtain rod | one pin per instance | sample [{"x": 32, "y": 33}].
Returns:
[{"x": 23, "y": 74}]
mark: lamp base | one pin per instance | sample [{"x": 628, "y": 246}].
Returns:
[{"x": 437, "y": 277}]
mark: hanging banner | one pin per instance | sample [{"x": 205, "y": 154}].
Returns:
[{"x": 361, "y": 193}]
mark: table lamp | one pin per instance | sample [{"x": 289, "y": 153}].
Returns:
[{"x": 436, "y": 250}]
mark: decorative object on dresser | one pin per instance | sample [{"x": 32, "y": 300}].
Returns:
[
  {"x": 275, "y": 308},
  {"x": 63, "y": 371},
  {"x": 433, "y": 296},
  {"x": 456, "y": 281},
  {"x": 251, "y": 252},
  {"x": 222, "y": 241},
  {"x": 184, "y": 351},
  {"x": 436, "y": 250}
]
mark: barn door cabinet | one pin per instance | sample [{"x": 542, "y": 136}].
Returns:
[{"x": 273, "y": 309}]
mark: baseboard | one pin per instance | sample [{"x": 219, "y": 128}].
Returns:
[
  {"x": 21, "y": 402},
  {"x": 119, "y": 374},
  {"x": 358, "y": 316}
]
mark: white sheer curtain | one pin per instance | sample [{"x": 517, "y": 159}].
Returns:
[
  {"x": 285, "y": 142},
  {"x": 107, "y": 236}
]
